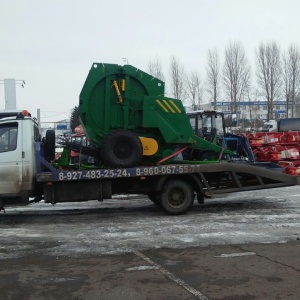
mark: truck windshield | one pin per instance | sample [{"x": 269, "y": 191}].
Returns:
[
  {"x": 8, "y": 137},
  {"x": 267, "y": 126}
]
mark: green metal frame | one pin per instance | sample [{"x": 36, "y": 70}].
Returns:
[{"x": 115, "y": 97}]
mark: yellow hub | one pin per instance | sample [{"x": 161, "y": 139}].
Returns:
[{"x": 149, "y": 145}]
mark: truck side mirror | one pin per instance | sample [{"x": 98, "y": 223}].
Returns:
[{"x": 233, "y": 120}]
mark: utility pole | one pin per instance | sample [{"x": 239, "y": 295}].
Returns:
[{"x": 10, "y": 92}]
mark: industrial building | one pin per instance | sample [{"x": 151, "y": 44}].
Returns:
[{"x": 254, "y": 110}]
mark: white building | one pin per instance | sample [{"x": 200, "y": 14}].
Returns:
[{"x": 254, "y": 110}]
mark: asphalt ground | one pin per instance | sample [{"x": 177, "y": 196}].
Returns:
[
  {"x": 253, "y": 271},
  {"x": 245, "y": 246}
]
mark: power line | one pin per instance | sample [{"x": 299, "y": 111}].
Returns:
[{"x": 55, "y": 115}]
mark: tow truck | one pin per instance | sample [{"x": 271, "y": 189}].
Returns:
[{"x": 30, "y": 173}]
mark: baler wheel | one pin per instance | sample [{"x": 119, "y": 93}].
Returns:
[
  {"x": 121, "y": 148},
  {"x": 49, "y": 145}
]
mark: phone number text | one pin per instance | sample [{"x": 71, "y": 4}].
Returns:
[{"x": 130, "y": 172}]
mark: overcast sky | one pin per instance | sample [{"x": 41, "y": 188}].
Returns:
[{"x": 52, "y": 44}]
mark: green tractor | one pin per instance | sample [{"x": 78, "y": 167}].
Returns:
[{"x": 125, "y": 113}]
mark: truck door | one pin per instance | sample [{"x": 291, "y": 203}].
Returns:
[{"x": 10, "y": 157}]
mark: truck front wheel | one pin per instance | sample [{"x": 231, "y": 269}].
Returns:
[
  {"x": 121, "y": 148},
  {"x": 177, "y": 196}
]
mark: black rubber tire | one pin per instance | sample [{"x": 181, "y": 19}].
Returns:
[
  {"x": 49, "y": 145},
  {"x": 177, "y": 197},
  {"x": 121, "y": 148}
]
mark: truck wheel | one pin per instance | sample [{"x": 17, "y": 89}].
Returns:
[
  {"x": 49, "y": 145},
  {"x": 121, "y": 148},
  {"x": 177, "y": 197}
]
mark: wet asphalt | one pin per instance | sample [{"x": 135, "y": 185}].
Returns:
[
  {"x": 244, "y": 247},
  {"x": 253, "y": 271}
]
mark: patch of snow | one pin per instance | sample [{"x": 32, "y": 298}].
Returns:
[
  {"x": 142, "y": 268},
  {"x": 236, "y": 254}
]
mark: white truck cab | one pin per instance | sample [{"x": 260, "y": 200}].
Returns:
[
  {"x": 270, "y": 126},
  {"x": 18, "y": 135}
]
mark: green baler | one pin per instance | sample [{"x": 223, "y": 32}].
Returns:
[{"x": 125, "y": 113}]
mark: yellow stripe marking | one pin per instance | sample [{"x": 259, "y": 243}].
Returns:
[
  {"x": 175, "y": 106},
  {"x": 162, "y": 106},
  {"x": 169, "y": 106}
]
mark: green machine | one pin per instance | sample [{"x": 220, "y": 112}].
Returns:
[{"x": 125, "y": 113}]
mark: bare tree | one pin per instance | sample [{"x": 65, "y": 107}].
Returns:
[
  {"x": 213, "y": 76},
  {"x": 155, "y": 69},
  {"x": 177, "y": 76},
  {"x": 253, "y": 109},
  {"x": 194, "y": 90},
  {"x": 297, "y": 106},
  {"x": 236, "y": 74},
  {"x": 74, "y": 118},
  {"x": 291, "y": 76},
  {"x": 269, "y": 73}
]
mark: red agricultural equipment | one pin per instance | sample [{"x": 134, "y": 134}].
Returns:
[{"x": 282, "y": 148}]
